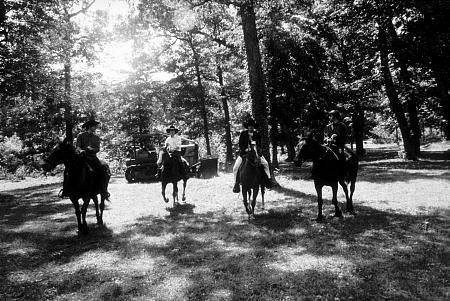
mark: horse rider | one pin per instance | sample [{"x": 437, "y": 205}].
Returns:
[
  {"x": 336, "y": 135},
  {"x": 246, "y": 137},
  {"x": 88, "y": 145},
  {"x": 336, "y": 131},
  {"x": 173, "y": 144}
]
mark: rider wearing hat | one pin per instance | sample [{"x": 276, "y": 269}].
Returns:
[
  {"x": 336, "y": 131},
  {"x": 336, "y": 135},
  {"x": 88, "y": 145},
  {"x": 246, "y": 137},
  {"x": 173, "y": 144}
]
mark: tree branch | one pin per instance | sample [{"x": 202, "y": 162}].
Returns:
[{"x": 82, "y": 10}]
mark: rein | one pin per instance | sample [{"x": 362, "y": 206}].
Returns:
[{"x": 327, "y": 150}]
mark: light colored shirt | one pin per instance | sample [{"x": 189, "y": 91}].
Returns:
[{"x": 173, "y": 142}]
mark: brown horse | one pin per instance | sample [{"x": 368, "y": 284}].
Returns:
[
  {"x": 251, "y": 178},
  {"x": 172, "y": 173},
  {"x": 83, "y": 183},
  {"x": 329, "y": 170}
]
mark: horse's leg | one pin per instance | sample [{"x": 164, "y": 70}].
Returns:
[
  {"x": 255, "y": 195},
  {"x": 102, "y": 205},
  {"x": 244, "y": 199},
  {"x": 84, "y": 208},
  {"x": 263, "y": 189},
  {"x": 337, "y": 210},
  {"x": 319, "y": 201},
  {"x": 347, "y": 197},
  {"x": 175, "y": 193},
  {"x": 76, "y": 206},
  {"x": 184, "y": 190},
  {"x": 163, "y": 191},
  {"x": 97, "y": 211},
  {"x": 350, "y": 201}
]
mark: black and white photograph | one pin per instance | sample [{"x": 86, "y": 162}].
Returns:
[{"x": 224, "y": 150}]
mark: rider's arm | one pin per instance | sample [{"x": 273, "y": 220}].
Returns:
[
  {"x": 94, "y": 145},
  {"x": 243, "y": 143}
]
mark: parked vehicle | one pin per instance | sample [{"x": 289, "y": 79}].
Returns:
[{"x": 143, "y": 152}]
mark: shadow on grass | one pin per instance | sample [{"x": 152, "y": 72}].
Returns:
[
  {"x": 282, "y": 254},
  {"x": 372, "y": 256}
]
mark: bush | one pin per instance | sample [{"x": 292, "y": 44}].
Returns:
[{"x": 10, "y": 149}]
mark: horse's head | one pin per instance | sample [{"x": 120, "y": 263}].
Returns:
[
  {"x": 307, "y": 149},
  {"x": 58, "y": 155},
  {"x": 252, "y": 155}
]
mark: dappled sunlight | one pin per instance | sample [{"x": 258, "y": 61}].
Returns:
[
  {"x": 296, "y": 260},
  {"x": 19, "y": 247},
  {"x": 173, "y": 287},
  {"x": 207, "y": 248}
]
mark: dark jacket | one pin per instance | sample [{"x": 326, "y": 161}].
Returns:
[
  {"x": 340, "y": 130},
  {"x": 244, "y": 142},
  {"x": 86, "y": 139}
]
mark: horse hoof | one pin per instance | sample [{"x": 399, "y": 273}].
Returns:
[{"x": 166, "y": 200}]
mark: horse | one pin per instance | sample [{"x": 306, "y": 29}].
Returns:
[
  {"x": 329, "y": 170},
  {"x": 83, "y": 183},
  {"x": 172, "y": 173},
  {"x": 251, "y": 178}
]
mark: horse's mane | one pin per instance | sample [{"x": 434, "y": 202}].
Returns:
[{"x": 323, "y": 151}]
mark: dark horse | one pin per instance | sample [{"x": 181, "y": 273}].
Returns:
[
  {"x": 83, "y": 183},
  {"x": 172, "y": 173},
  {"x": 328, "y": 170},
  {"x": 251, "y": 178}
]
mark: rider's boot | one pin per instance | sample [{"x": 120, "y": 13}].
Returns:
[
  {"x": 268, "y": 182},
  {"x": 236, "y": 187},
  {"x": 158, "y": 173}
]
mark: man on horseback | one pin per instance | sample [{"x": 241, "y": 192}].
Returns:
[
  {"x": 336, "y": 135},
  {"x": 88, "y": 145},
  {"x": 173, "y": 144},
  {"x": 245, "y": 140}
]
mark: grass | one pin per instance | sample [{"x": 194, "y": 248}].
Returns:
[{"x": 396, "y": 248}]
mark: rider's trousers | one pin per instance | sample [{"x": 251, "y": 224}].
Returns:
[{"x": 238, "y": 163}]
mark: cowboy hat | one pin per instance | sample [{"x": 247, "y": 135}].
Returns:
[
  {"x": 335, "y": 113},
  {"x": 250, "y": 122},
  {"x": 171, "y": 128},
  {"x": 90, "y": 123}
]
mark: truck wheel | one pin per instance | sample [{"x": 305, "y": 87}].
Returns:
[{"x": 129, "y": 175}]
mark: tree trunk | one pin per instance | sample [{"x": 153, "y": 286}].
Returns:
[
  {"x": 392, "y": 94},
  {"x": 229, "y": 153},
  {"x": 256, "y": 75},
  {"x": 409, "y": 87},
  {"x": 438, "y": 67},
  {"x": 358, "y": 129},
  {"x": 68, "y": 100},
  {"x": 290, "y": 142},
  {"x": 201, "y": 95},
  {"x": 358, "y": 121},
  {"x": 273, "y": 124}
]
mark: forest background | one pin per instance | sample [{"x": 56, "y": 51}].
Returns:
[{"x": 205, "y": 65}]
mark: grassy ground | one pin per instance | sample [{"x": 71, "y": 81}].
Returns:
[{"x": 396, "y": 248}]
